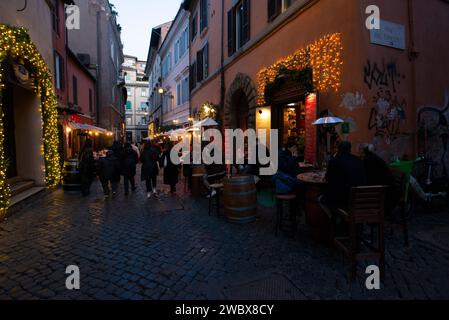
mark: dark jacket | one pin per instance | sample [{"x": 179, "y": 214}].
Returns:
[
  {"x": 86, "y": 165},
  {"x": 344, "y": 172},
  {"x": 171, "y": 171},
  {"x": 129, "y": 161},
  {"x": 108, "y": 168},
  {"x": 149, "y": 159},
  {"x": 288, "y": 164}
]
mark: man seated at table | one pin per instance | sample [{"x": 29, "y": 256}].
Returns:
[{"x": 344, "y": 172}]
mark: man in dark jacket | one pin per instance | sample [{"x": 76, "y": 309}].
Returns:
[
  {"x": 86, "y": 167},
  {"x": 344, "y": 172},
  {"x": 129, "y": 162},
  {"x": 171, "y": 171},
  {"x": 150, "y": 167},
  {"x": 108, "y": 170}
]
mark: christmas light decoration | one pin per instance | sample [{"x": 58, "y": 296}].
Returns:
[
  {"x": 207, "y": 110},
  {"x": 16, "y": 44},
  {"x": 324, "y": 57}
]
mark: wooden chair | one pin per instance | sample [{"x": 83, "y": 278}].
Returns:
[
  {"x": 280, "y": 199},
  {"x": 366, "y": 207},
  {"x": 400, "y": 188},
  {"x": 218, "y": 188}
]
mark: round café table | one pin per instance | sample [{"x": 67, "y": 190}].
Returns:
[{"x": 315, "y": 184}]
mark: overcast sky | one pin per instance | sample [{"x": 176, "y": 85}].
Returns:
[{"x": 138, "y": 17}]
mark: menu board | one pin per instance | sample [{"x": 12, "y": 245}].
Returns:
[{"x": 311, "y": 140}]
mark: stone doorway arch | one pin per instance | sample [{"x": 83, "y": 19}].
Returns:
[{"x": 241, "y": 103}]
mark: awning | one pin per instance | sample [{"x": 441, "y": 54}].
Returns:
[
  {"x": 88, "y": 127},
  {"x": 205, "y": 123}
]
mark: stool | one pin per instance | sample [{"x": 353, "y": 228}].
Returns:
[
  {"x": 217, "y": 187},
  {"x": 280, "y": 198}
]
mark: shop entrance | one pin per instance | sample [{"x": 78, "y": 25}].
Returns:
[
  {"x": 241, "y": 111},
  {"x": 9, "y": 132}
]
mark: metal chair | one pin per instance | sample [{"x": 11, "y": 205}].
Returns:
[{"x": 218, "y": 188}]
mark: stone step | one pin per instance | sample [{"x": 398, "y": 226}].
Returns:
[
  {"x": 25, "y": 195},
  {"x": 14, "y": 180},
  {"x": 21, "y": 186}
]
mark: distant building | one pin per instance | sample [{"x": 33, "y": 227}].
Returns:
[
  {"x": 154, "y": 75},
  {"x": 137, "y": 104},
  {"x": 174, "y": 52},
  {"x": 98, "y": 45}
]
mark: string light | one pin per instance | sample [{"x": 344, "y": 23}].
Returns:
[
  {"x": 324, "y": 57},
  {"x": 16, "y": 43}
]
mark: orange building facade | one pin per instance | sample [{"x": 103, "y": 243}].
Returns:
[{"x": 281, "y": 64}]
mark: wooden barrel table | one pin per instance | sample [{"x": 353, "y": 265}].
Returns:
[
  {"x": 198, "y": 188},
  {"x": 240, "y": 199},
  {"x": 316, "y": 218},
  {"x": 71, "y": 177}
]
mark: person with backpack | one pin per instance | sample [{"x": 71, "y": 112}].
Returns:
[
  {"x": 128, "y": 163},
  {"x": 150, "y": 167},
  {"x": 108, "y": 170}
]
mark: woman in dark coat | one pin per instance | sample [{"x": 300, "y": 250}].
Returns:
[
  {"x": 86, "y": 167},
  {"x": 108, "y": 170},
  {"x": 128, "y": 163},
  {"x": 150, "y": 167},
  {"x": 171, "y": 171}
]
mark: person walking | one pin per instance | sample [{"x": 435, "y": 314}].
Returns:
[
  {"x": 108, "y": 170},
  {"x": 128, "y": 163},
  {"x": 150, "y": 167},
  {"x": 86, "y": 167},
  {"x": 171, "y": 171}
]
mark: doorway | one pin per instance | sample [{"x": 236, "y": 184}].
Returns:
[
  {"x": 9, "y": 132},
  {"x": 241, "y": 111}
]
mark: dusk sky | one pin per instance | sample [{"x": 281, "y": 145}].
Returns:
[{"x": 138, "y": 17}]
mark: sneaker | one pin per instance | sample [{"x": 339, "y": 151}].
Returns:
[
  {"x": 149, "y": 195},
  {"x": 155, "y": 191}
]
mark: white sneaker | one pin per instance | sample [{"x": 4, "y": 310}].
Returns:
[
  {"x": 149, "y": 195},
  {"x": 213, "y": 194},
  {"x": 155, "y": 191}
]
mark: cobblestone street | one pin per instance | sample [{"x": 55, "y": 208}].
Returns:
[{"x": 134, "y": 248}]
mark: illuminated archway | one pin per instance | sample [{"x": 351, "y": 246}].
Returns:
[{"x": 15, "y": 43}]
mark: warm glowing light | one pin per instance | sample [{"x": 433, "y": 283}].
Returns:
[
  {"x": 324, "y": 56},
  {"x": 68, "y": 129},
  {"x": 161, "y": 90}
]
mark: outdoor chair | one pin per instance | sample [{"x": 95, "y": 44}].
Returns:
[
  {"x": 280, "y": 200},
  {"x": 366, "y": 207},
  {"x": 216, "y": 188},
  {"x": 400, "y": 189}
]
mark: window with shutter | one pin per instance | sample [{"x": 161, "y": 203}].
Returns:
[
  {"x": 245, "y": 32},
  {"x": 199, "y": 65},
  {"x": 206, "y": 61},
  {"x": 231, "y": 32},
  {"x": 203, "y": 15},
  {"x": 194, "y": 27}
]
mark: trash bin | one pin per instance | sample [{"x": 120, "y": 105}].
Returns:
[{"x": 71, "y": 177}]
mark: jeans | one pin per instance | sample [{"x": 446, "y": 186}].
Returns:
[
  {"x": 127, "y": 180},
  {"x": 151, "y": 184},
  {"x": 105, "y": 185}
]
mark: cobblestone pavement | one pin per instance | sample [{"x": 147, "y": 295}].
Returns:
[{"x": 134, "y": 248}]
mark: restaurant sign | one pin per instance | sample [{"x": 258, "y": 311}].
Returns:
[{"x": 390, "y": 34}]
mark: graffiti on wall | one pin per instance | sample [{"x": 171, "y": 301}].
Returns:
[
  {"x": 353, "y": 101},
  {"x": 388, "y": 111},
  {"x": 433, "y": 128}
]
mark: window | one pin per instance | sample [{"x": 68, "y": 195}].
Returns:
[
  {"x": 166, "y": 65},
  {"x": 129, "y": 92},
  {"x": 202, "y": 60},
  {"x": 90, "y": 101},
  {"x": 185, "y": 90},
  {"x": 143, "y": 106},
  {"x": 129, "y": 121},
  {"x": 194, "y": 27},
  {"x": 129, "y": 105},
  {"x": 193, "y": 76},
  {"x": 178, "y": 94},
  {"x": 203, "y": 14},
  {"x": 143, "y": 93},
  {"x": 55, "y": 16},
  {"x": 143, "y": 121},
  {"x": 59, "y": 72},
  {"x": 238, "y": 26},
  {"x": 276, "y": 7},
  {"x": 75, "y": 90},
  {"x": 128, "y": 77}
]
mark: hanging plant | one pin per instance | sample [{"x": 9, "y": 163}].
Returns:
[{"x": 15, "y": 43}]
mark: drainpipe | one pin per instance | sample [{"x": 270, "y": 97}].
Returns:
[
  {"x": 99, "y": 60},
  {"x": 222, "y": 73},
  {"x": 413, "y": 55}
]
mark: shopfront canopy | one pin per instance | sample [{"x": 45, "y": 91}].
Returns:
[
  {"x": 201, "y": 124},
  {"x": 88, "y": 127}
]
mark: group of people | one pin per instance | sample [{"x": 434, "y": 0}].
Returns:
[{"x": 121, "y": 161}]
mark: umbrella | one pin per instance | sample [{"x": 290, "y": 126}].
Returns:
[
  {"x": 209, "y": 123},
  {"x": 328, "y": 121}
]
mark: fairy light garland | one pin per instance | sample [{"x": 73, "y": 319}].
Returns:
[
  {"x": 16, "y": 43},
  {"x": 324, "y": 56}
]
